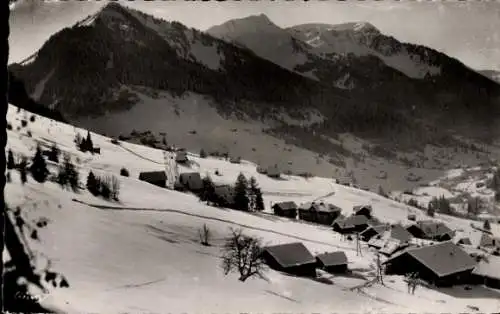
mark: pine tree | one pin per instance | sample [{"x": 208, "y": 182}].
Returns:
[
  {"x": 38, "y": 167},
  {"x": 259, "y": 200},
  {"x": 92, "y": 184},
  {"x": 89, "y": 144},
  {"x": 430, "y": 209},
  {"x": 208, "y": 193},
  {"x": 256, "y": 194},
  {"x": 241, "y": 200},
  {"x": 10, "y": 160},
  {"x": 68, "y": 175},
  {"x": 487, "y": 225},
  {"x": 203, "y": 154}
]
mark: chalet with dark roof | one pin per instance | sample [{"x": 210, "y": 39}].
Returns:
[
  {"x": 351, "y": 224},
  {"x": 158, "y": 178},
  {"x": 398, "y": 232},
  {"x": 293, "y": 258},
  {"x": 443, "y": 264},
  {"x": 365, "y": 210},
  {"x": 431, "y": 230},
  {"x": 285, "y": 209},
  {"x": 333, "y": 262},
  {"x": 321, "y": 213},
  {"x": 373, "y": 231},
  {"x": 191, "y": 181}
]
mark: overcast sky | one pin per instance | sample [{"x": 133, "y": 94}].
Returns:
[{"x": 468, "y": 30}]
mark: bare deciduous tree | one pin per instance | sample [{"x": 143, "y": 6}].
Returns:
[{"x": 242, "y": 254}]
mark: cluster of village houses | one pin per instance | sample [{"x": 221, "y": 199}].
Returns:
[{"x": 427, "y": 248}]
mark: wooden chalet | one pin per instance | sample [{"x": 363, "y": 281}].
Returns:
[
  {"x": 273, "y": 171},
  {"x": 235, "y": 160},
  {"x": 321, "y": 213},
  {"x": 373, "y": 231},
  {"x": 293, "y": 258},
  {"x": 365, "y": 210},
  {"x": 333, "y": 262},
  {"x": 191, "y": 181},
  {"x": 442, "y": 264},
  {"x": 285, "y": 209},
  {"x": 351, "y": 224},
  {"x": 431, "y": 230},
  {"x": 158, "y": 178}
]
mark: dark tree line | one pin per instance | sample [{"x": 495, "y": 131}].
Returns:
[{"x": 247, "y": 194}]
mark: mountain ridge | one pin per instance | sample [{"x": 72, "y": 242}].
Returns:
[{"x": 95, "y": 71}]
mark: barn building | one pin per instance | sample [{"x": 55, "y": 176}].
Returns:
[
  {"x": 443, "y": 264},
  {"x": 351, "y": 224},
  {"x": 431, "y": 230},
  {"x": 158, "y": 178},
  {"x": 285, "y": 209},
  {"x": 320, "y": 213},
  {"x": 373, "y": 231},
  {"x": 365, "y": 210},
  {"x": 333, "y": 262},
  {"x": 191, "y": 181},
  {"x": 293, "y": 258}
]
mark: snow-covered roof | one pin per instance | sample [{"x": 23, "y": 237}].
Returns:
[
  {"x": 443, "y": 259},
  {"x": 332, "y": 258},
  {"x": 488, "y": 267},
  {"x": 290, "y": 254}
]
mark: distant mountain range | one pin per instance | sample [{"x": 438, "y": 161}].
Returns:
[{"x": 350, "y": 77}]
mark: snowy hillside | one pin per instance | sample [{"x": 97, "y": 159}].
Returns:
[{"x": 142, "y": 254}]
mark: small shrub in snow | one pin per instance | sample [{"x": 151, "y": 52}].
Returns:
[
  {"x": 205, "y": 235},
  {"x": 18, "y": 128},
  {"x": 24, "y": 123},
  {"x": 9, "y": 126},
  {"x": 242, "y": 254},
  {"x": 8, "y": 178},
  {"x": 29, "y": 133},
  {"x": 124, "y": 172},
  {"x": 32, "y": 118}
]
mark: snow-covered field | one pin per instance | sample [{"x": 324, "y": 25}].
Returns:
[{"x": 143, "y": 255}]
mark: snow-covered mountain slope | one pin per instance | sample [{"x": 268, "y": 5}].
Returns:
[
  {"x": 142, "y": 254},
  {"x": 265, "y": 38},
  {"x": 364, "y": 39}
]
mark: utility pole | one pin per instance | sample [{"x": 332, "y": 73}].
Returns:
[{"x": 358, "y": 245}]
